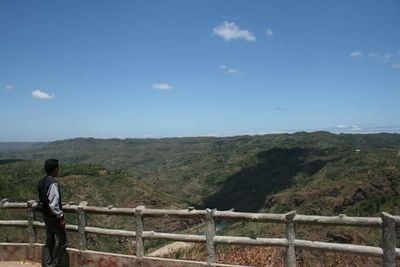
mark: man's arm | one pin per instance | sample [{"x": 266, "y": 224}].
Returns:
[{"x": 54, "y": 197}]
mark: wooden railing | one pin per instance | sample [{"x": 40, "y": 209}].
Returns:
[{"x": 388, "y": 223}]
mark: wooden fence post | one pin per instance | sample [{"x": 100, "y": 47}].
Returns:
[
  {"x": 139, "y": 231},
  {"x": 290, "y": 236},
  {"x": 31, "y": 219},
  {"x": 81, "y": 226},
  {"x": 389, "y": 240},
  {"x": 3, "y": 201},
  {"x": 210, "y": 234}
]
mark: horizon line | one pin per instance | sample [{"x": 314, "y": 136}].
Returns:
[{"x": 372, "y": 130}]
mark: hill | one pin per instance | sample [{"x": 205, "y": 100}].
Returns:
[
  {"x": 92, "y": 183},
  {"x": 314, "y": 173},
  {"x": 203, "y": 170},
  {"x": 15, "y": 146}
]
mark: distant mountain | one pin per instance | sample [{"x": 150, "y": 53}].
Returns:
[
  {"x": 242, "y": 172},
  {"x": 16, "y": 146},
  {"x": 313, "y": 173}
]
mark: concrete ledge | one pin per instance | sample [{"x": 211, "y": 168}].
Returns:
[{"x": 23, "y": 251}]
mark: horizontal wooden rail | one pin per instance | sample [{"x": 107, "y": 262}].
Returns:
[
  {"x": 245, "y": 216},
  {"x": 173, "y": 237},
  {"x": 13, "y": 223},
  {"x": 239, "y": 240},
  {"x": 355, "y": 249},
  {"x": 341, "y": 220},
  {"x": 102, "y": 210},
  {"x": 388, "y": 223},
  {"x": 174, "y": 213},
  {"x": 112, "y": 232}
]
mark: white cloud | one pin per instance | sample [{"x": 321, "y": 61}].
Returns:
[
  {"x": 269, "y": 32},
  {"x": 388, "y": 56},
  {"x": 356, "y": 54},
  {"x": 383, "y": 57},
  {"x": 229, "y": 70},
  {"x": 396, "y": 66},
  {"x": 232, "y": 71},
  {"x": 374, "y": 55},
  {"x": 42, "y": 95},
  {"x": 162, "y": 86},
  {"x": 9, "y": 87},
  {"x": 349, "y": 128},
  {"x": 230, "y": 31}
]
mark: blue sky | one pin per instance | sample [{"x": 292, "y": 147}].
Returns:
[{"x": 124, "y": 69}]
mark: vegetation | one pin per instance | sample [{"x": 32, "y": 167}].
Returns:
[{"x": 314, "y": 173}]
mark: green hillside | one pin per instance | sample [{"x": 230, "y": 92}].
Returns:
[
  {"x": 242, "y": 172},
  {"x": 13, "y": 146},
  {"x": 92, "y": 183},
  {"x": 314, "y": 173}
]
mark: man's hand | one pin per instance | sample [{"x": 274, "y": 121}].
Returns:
[{"x": 62, "y": 222}]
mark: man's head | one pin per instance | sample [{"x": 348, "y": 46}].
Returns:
[{"x": 51, "y": 167}]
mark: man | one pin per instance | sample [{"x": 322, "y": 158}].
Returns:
[{"x": 53, "y": 216}]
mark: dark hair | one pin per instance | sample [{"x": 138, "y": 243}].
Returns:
[{"x": 50, "y": 165}]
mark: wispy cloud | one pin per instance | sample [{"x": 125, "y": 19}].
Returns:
[
  {"x": 280, "y": 109},
  {"x": 229, "y": 70},
  {"x": 385, "y": 57},
  {"x": 38, "y": 94},
  {"x": 356, "y": 54},
  {"x": 212, "y": 135},
  {"x": 365, "y": 129},
  {"x": 230, "y": 31},
  {"x": 396, "y": 66},
  {"x": 162, "y": 86},
  {"x": 348, "y": 128},
  {"x": 269, "y": 32},
  {"x": 9, "y": 87}
]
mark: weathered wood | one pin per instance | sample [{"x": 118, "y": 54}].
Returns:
[
  {"x": 82, "y": 225},
  {"x": 174, "y": 237},
  {"x": 31, "y": 219},
  {"x": 347, "y": 248},
  {"x": 387, "y": 222},
  {"x": 174, "y": 213},
  {"x": 290, "y": 259},
  {"x": 210, "y": 234},
  {"x": 231, "y": 215},
  {"x": 71, "y": 227},
  {"x": 342, "y": 220},
  {"x": 13, "y": 223},
  {"x": 39, "y": 224},
  {"x": 256, "y": 217},
  {"x": 389, "y": 240},
  {"x": 3, "y": 201},
  {"x": 70, "y": 208},
  {"x": 13, "y": 205},
  {"x": 239, "y": 240},
  {"x": 110, "y": 210},
  {"x": 111, "y": 232},
  {"x": 139, "y": 231}
]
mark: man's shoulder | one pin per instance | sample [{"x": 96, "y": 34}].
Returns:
[{"x": 47, "y": 180}]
